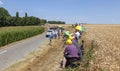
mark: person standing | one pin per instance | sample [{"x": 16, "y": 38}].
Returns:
[
  {"x": 50, "y": 38},
  {"x": 55, "y": 34},
  {"x": 58, "y": 33}
]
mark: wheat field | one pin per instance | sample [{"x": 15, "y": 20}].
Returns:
[
  {"x": 107, "y": 52},
  {"x": 106, "y": 55}
]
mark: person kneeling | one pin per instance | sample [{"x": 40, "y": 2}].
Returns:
[{"x": 71, "y": 54}]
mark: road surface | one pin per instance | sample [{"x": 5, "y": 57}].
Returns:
[{"x": 18, "y": 50}]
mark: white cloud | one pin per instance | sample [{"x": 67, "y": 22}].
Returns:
[{"x": 1, "y": 2}]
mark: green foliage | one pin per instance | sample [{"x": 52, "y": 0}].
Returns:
[
  {"x": 7, "y": 20},
  {"x": 88, "y": 56},
  {"x": 11, "y": 34},
  {"x": 3, "y": 17},
  {"x": 43, "y": 21},
  {"x": 17, "y": 14},
  {"x": 3, "y": 12},
  {"x": 26, "y": 15},
  {"x": 56, "y": 22}
]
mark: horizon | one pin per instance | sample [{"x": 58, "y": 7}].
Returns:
[{"x": 69, "y": 11}]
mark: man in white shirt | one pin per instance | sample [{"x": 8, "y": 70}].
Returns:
[{"x": 77, "y": 33}]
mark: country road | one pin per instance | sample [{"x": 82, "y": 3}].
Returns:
[{"x": 14, "y": 52}]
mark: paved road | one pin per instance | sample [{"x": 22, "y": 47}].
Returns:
[{"x": 16, "y": 51}]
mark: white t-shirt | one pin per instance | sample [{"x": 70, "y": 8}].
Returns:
[{"x": 77, "y": 35}]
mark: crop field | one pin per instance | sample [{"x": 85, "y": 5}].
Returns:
[
  {"x": 104, "y": 55},
  {"x": 107, "y": 52},
  {"x": 12, "y": 34}
]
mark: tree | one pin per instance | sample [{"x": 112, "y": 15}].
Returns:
[
  {"x": 4, "y": 12},
  {"x": 17, "y": 14},
  {"x": 17, "y": 19},
  {"x": 43, "y": 21},
  {"x": 33, "y": 21},
  {"x": 13, "y": 21},
  {"x": 25, "y": 20},
  {"x": 7, "y": 20},
  {"x": 3, "y": 17},
  {"x": 56, "y": 22},
  {"x": 26, "y": 15}
]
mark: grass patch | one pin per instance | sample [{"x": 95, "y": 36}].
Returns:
[{"x": 88, "y": 56}]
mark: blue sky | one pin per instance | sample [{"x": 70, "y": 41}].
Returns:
[{"x": 70, "y": 11}]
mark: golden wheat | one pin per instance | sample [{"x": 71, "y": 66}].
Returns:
[{"x": 108, "y": 51}]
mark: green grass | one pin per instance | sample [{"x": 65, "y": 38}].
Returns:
[
  {"x": 88, "y": 56},
  {"x": 12, "y": 34}
]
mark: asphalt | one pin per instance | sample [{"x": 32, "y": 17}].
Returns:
[{"x": 14, "y": 52}]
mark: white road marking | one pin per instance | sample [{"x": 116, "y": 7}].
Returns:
[{"x": 3, "y": 52}]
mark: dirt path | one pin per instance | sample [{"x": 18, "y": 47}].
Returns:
[
  {"x": 12, "y": 53},
  {"x": 47, "y": 62},
  {"x": 47, "y": 59},
  {"x": 50, "y": 61}
]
